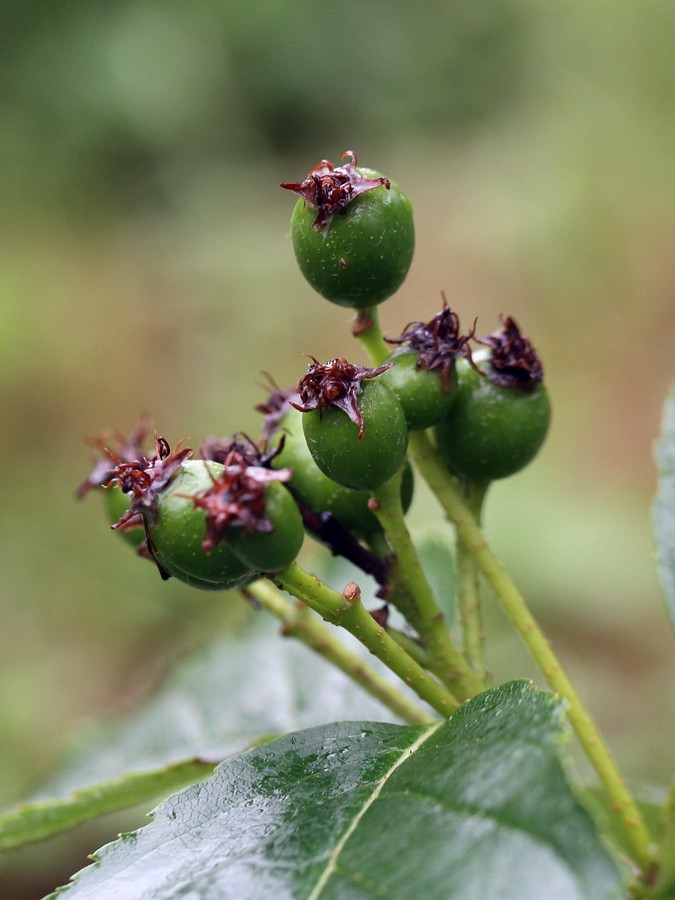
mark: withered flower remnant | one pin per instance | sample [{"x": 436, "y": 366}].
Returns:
[
  {"x": 240, "y": 447},
  {"x": 330, "y": 189},
  {"x": 129, "y": 448},
  {"x": 335, "y": 383},
  {"x": 236, "y": 499},
  {"x": 513, "y": 360},
  {"x": 438, "y": 342},
  {"x": 142, "y": 479},
  {"x": 275, "y": 408}
]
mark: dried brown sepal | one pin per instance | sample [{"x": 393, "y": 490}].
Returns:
[
  {"x": 236, "y": 499},
  {"x": 330, "y": 189},
  {"x": 381, "y": 615},
  {"x": 128, "y": 448},
  {"x": 438, "y": 342},
  {"x": 361, "y": 322},
  {"x": 239, "y": 446},
  {"x": 143, "y": 478},
  {"x": 335, "y": 383},
  {"x": 275, "y": 408},
  {"x": 514, "y": 362}
]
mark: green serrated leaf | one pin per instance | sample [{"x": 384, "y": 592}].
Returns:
[
  {"x": 224, "y": 698},
  {"x": 36, "y": 821},
  {"x": 230, "y": 695},
  {"x": 664, "y": 507},
  {"x": 473, "y": 808}
]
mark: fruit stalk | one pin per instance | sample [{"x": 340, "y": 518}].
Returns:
[
  {"x": 299, "y": 622},
  {"x": 407, "y": 574},
  {"x": 366, "y": 328},
  {"x": 347, "y": 610},
  {"x": 621, "y": 801},
  {"x": 468, "y": 592}
]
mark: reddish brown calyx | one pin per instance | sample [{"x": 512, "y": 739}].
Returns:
[
  {"x": 330, "y": 189},
  {"x": 275, "y": 408},
  {"x": 335, "y": 383},
  {"x": 438, "y": 342},
  {"x": 142, "y": 479},
  {"x": 128, "y": 448},
  {"x": 239, "y": 446},
  {"x": 236, "y": 499},
  {"x": 513, "y": 360}
]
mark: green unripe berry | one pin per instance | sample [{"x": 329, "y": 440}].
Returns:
[
  {"x": 272, "y": 551},
  {"x": 320, "y": 493},
  {"x": 352, "y": 233},
  {"x": 491, "y": 431},
  {"x": 178, "y": 534},
  {"x": 423, "y": 393},
  {"x": 357, "y": 462}
]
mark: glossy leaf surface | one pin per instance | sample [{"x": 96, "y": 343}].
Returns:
[
  {"x": 231, "y": 694},
  {"x": 473, "y": 808},
  {"x": 225, "y": 697}
]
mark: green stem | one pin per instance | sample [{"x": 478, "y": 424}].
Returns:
[
  {"x": 422, "y": 612},
  {"x": 299, "y": 622},
  {"x": 400, "y": 599},
  {"x": 366, "y": 327},
  {"x": 347, "y": 611},
  {"x": 412, "y": 647},
  {"x": 412, "y": 594},
  {"x": 396, "y": 594},
  {"x": 468, "y": 593},
  {"x": 622, "y": 802},
  {"x": 378, "y": 544},
  {"x": 665, "y": 883}
]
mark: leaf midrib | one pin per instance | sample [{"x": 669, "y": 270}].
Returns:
[{"x": 331, "y": 864}]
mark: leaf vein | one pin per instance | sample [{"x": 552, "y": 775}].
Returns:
[{"x": 337, "y": 849}]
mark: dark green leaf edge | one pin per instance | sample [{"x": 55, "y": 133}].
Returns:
[
  {"x": 501, "y": 720},
  {"x": 30, "y": 822},
  {"x": 228, "y": 694},
  {"x": 664, "y": 506}
]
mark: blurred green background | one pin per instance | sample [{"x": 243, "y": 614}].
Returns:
[{"x": 145, "y": 267}]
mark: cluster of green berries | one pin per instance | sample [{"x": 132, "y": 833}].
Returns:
[{"x": 238, "y": 508}]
